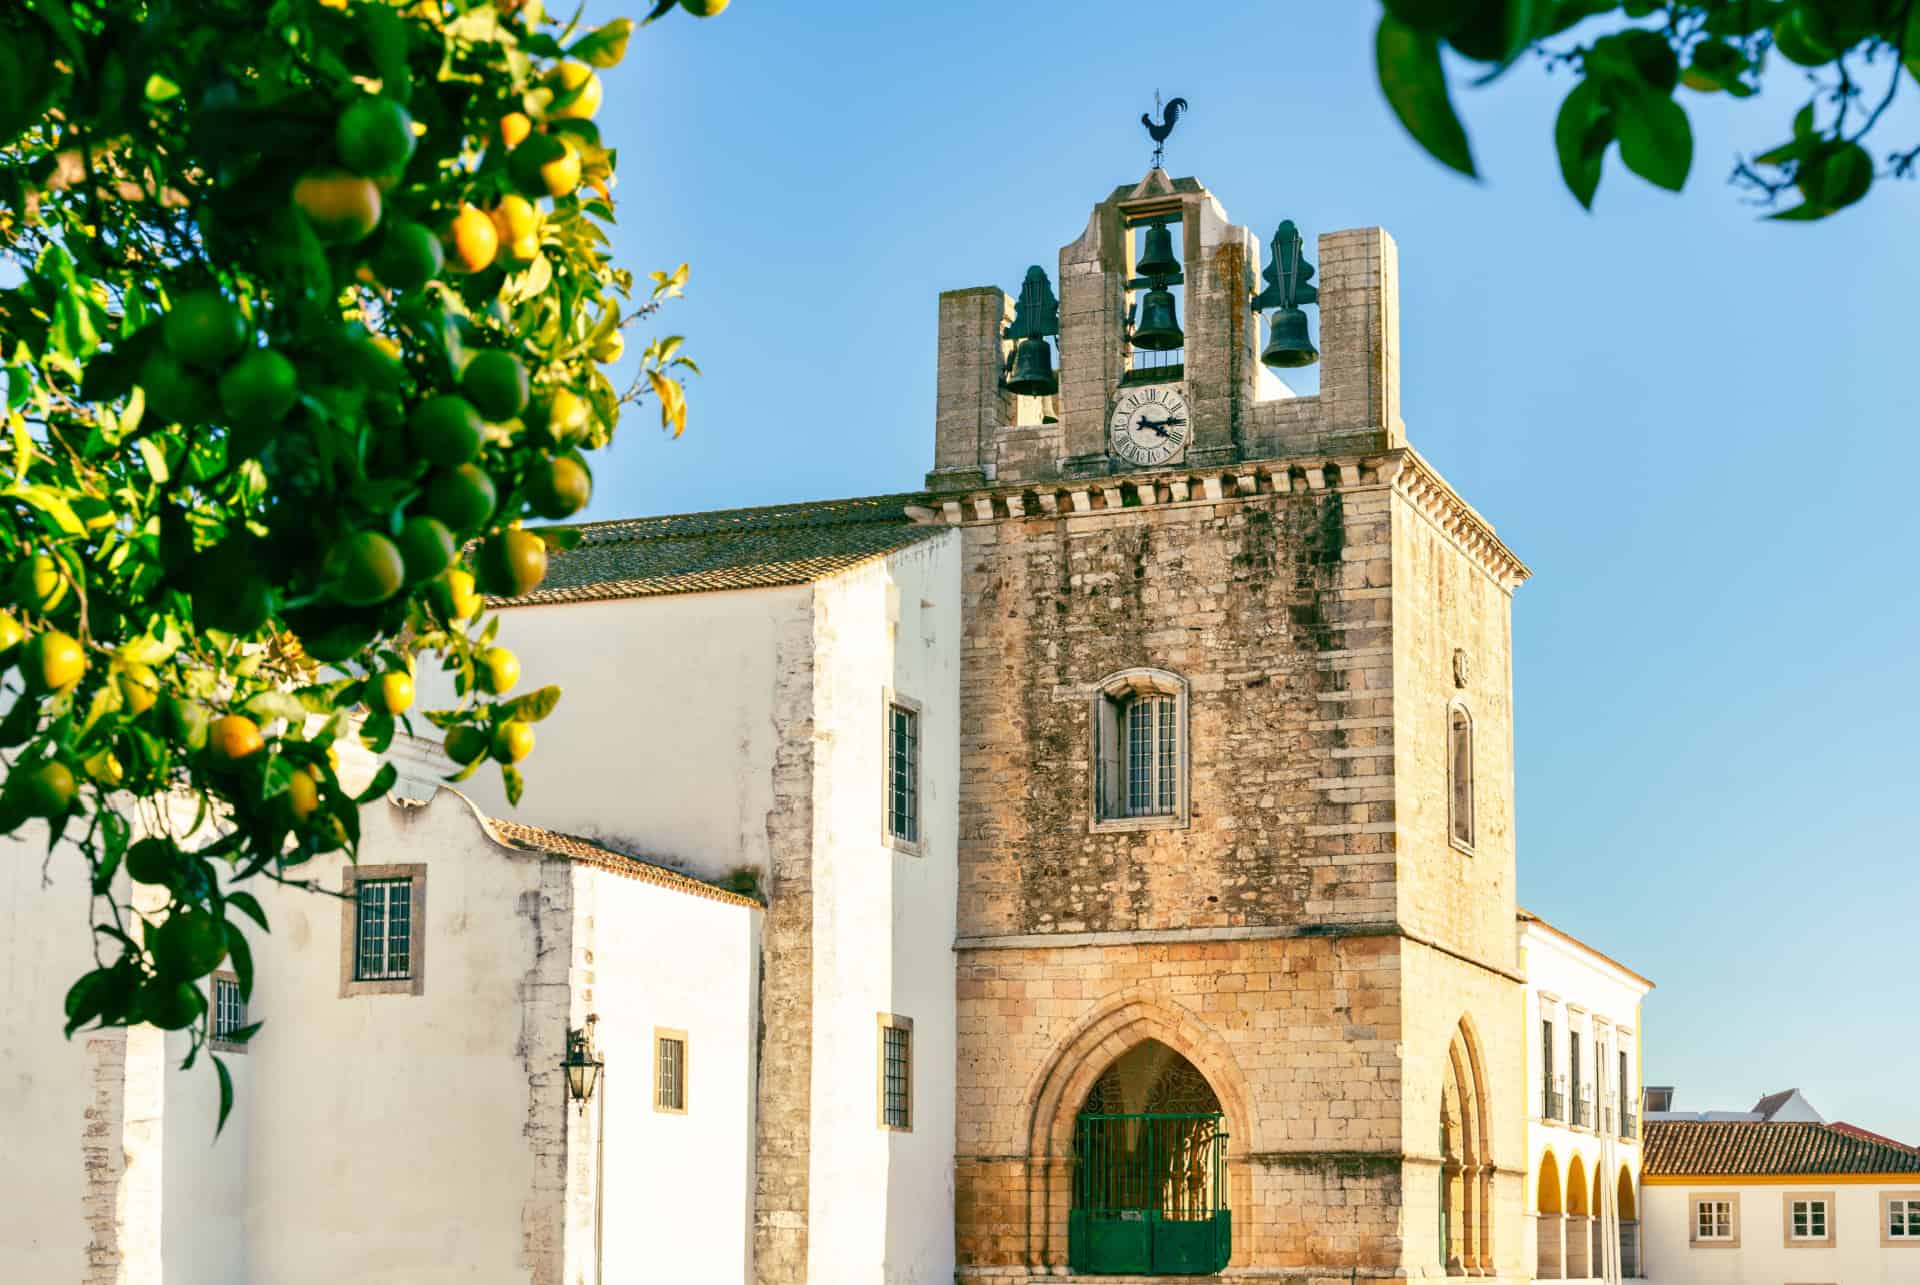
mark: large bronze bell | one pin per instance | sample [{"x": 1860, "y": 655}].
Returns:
[
  {"x": 1157, "y": 260},
  {"x": 1159, "y": 328},
  {"x": 1031, "y": 372},
  {"x": 1288, "y": 344}
]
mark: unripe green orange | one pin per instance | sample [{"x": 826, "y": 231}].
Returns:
[
  {"x": 258, "y": 390},
  {"x": 47, "y": 790},
  {"x": 374, "y": 136},
  {"x": 366, "y": 568},
  {"x": 511, "y": 564},
  {"x": 191, "y": 943},
  {"x": 496, "y": 383},
  {"x": 544, "y": 165},
  {"x": 344, "y": 208},
  {"x": 559, "y": 487},
  {"x": 463, "y": 498},
  {"x": 512, "y": 741},
  {"x": 466, "y": 743},
  {"x": 445, "y": 431},
  {"x": 139, "y": 687},
  {"x": 426, "y": 547},
  {"x": 409, "y": 256},
  {"x": 40, "y": 584},
  {"x": 203, "y": 328}
]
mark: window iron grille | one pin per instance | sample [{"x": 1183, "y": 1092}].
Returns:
[
  {"x": 384, "y": 945},
  {"x": 896, "y": 1076},
  {"x": 1152, "y": 756},
  {"x": 903, "y": 773},
  {"x": 229, "y": 1011},
  {"x": 670, "y": 1074}
]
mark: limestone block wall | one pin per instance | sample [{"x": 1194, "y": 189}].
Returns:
[
  {"x": 1297, "y": 1037},
  {"x": 1274, "y": 608}
]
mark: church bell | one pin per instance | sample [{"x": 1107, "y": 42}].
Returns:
[
  {"x": 1157, "y": 259},
  {"x": 1159, "y": 329},
  {"x": 1031, "y": 372},
  {"x": 1288, "y": 343}
]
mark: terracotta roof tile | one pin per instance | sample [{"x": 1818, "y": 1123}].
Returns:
[
  {"x": 785, "y": 544},
  {"x": 1870, "y": 1135},
  {"x": 533, "y": 838},
  {"x": 1692, "y": 1148}
]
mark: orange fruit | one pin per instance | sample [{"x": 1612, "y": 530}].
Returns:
[
  {"x": 12, "y": 634},
  {"x": 188, "y": 721},
  {"x": 512, "y": 564},
  {"x": 366, "y": 568},
  {"x": 518, "y": 225},
  {"x": 152, "y": 861},
  {"x": 175, "y": 395},
  {"x": 374, "y": 136},
  {"x": 576, "y": 91},
  {"x": 47, "y": 790},
  {"x": 445, "y": 431},
  {"x": 545, "y": 166},
  {"x": 561, "y": 418},
  {"x": 171, "y": 1006},
  {"x": 258, "y": 390},
  {"x": 558, "y": 488},
  {"x": 463, "y": 498},
  {"x": 233, "y": 737},
  {"x": 499, "y": 670},
  {"x": 303, "y": 796},
  {"x": 512, "y": 741},
  {"x": 514, "y": 128},
  {"x": 409, "y": 256},
  {"x": 610, "y": 348},
  {"x": 343, "y": 207},
  {"x": 464, "y": 744},
  {"x": 473, "y": 240},
  {"x": 204, "y": 329},
  {"x": 40, "y": 583},
  {"x": 496, "y": 383},
  {"x": 139, "y": 687},
  {"x": 375, "y": 360},
  {"x": 394, "y": 692},
  {"x": 455, "y": 596},
  {"x": 52, "y": 662},
  {"x": 704, "y": 8},
  {"x": 426, "y": 547},
  {"x": 191, "y": 943}
]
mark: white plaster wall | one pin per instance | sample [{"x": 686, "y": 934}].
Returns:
[
  {"x": 676, "y": 1190},
  {"x": 45, "y": 1084},
  {"x": 663, "y": 741},
  {"x": 1762, "y": 1257},
  {"x": 386, "y": 1144},
  {"x": 883, "y": 921},
  {"x": 204, "y": 1192}
]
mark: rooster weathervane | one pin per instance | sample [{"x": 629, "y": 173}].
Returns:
[{"x": 1170, "y": 114}]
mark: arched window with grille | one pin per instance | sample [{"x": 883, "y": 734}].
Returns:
[
  {"x": 1140, "y": 750},
  {"x": 1460, "y": 775}
]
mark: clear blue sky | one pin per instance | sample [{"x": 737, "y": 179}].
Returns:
[{"x": 1695, "y": 426}]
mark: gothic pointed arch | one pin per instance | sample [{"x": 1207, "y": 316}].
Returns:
[
  {"x": 1629, "y": 1207},
  {"x": 1577, "y": 1188},
  {"x": 1547, "y": 1198},
  {"x": 1466, "y": 1165}
]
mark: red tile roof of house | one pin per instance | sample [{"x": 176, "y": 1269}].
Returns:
[{"x": 1695, "y": 1148}]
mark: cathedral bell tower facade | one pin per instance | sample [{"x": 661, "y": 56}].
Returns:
[{"x": 1237, "y": 986}]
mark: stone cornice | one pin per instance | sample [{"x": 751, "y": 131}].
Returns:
[
  {"x": 1422, "y": 487},
  {"x": 1410, "y": 476}
]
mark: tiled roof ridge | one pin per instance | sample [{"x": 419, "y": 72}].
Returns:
[
  {"x": 533, "y": 838},
  {"x": 849, "y": 511},
  {"x": 1706, "y": 1147}
]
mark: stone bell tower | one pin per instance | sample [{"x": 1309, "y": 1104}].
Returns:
[{"x": 1237, "y": 980}]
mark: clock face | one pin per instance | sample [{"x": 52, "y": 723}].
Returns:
[{"x": 1149, "y": 425}]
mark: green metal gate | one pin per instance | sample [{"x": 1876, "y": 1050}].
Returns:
[{"x": 1150, "y": 1195}]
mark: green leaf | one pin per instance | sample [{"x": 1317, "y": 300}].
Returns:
[
  {"x": 240, "y": 954},
  {"x": 606, "y": 46},
  {"x": 249, "y": 905},
  {"x": 376, "y": 733},
  {"x": 1656, "y": 141},
  {"x": 1581, "y": 134},
  {"x": 1416, "y": 88},
  {"x": 266, "y": 706},
  {"x": 515, "y": 785},
  {"x": 226, "y": 1095},
  {"x": 535, "y": 705},
  {"x": 386, "y": 36},
  {"x": 382, "y": 782}
]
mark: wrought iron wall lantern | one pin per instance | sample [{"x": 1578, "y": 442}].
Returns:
[
  {"x": 1288, "y": 276},
  {"x": 1037, "y": 315},
  {"x": 582, "y": 1064}
]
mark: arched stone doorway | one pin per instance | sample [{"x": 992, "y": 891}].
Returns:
[
  {"x": 1466, "y": 1165},
  {"x": 1150, "y": 1169}
]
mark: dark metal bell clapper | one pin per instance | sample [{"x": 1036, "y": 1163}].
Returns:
[
  {"x": 1288, "y": 276},
  {"x": 1159, "y": 328},
  {"x": 1035, "y": 316}
]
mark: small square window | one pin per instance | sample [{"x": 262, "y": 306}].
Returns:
[
  {"x": 1900, "y": 1225},
  {"x": 902, "y": 812},
  {"x": 1809, "y": 1219},
  {"x": 670, "y": 1072},
  {"x": 896, "y": 1072},
  {"x": 1140, "y": 752},
  {"x": 383, "y": 930},
  {"x": 227, "y": 1015},
  {"x": 1716, "y": 1221}
]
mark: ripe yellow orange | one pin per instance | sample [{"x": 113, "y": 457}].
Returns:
[
  {"x": 610, "y": 349},
  {"x": 472, "y": 239},
  {"x": 499, "y": 670},
  {"x": 303, "y": 796},
  {"x": 139, "y": 687},
  {"x": 704, "y": 8},
  {"x": 518, "y": 224},
  {"x": 40, "y": 583},
  {"x": 558, "y": 488},
  {"x": 576, "y": 91},
  {"x": 12, "y": 634},
  {"x": 545, "y": 166},
  {"x": 233, "y": 737},
  {"x": 514, "y": 128},
  {"x": 512, "y": 741},
  {"x": 456, "y": 596},
  {"x": 561, "y": 418},
  {"x": 52, "y": 662},
  {"x": 395, "y": 692},
  {"x": 343, "y": 207}
]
